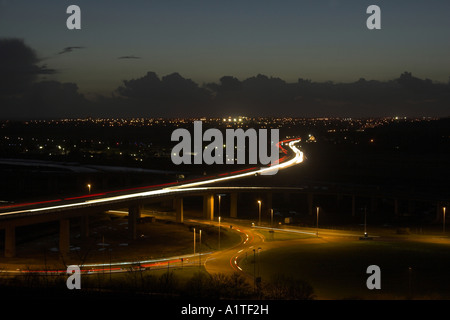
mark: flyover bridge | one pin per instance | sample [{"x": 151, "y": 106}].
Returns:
[{"x": 62, "y": 210}]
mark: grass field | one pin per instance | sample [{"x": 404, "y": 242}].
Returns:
[{"x": 337, "y": 270}]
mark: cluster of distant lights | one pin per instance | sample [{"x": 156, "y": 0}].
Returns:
[
  {"x": 351, "y": 124},
  {"x": 232, "y": 119},
  {"x": 229, "y": 119}
]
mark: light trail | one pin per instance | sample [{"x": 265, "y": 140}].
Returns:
[
  {"x": 194, "y": 186},
  {"x": 121, "y": 266},
  {"x": 286, "y": 230}
]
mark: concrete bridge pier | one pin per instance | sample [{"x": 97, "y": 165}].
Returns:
[
  {"x": 208, "y": 206},
  {"x": 134, "y": 213},
  {"x": 179, "y": 212}
]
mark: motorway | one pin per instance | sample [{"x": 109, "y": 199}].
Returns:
[{"x": 114, "y": 197}]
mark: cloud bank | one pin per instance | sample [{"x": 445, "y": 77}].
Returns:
[{"x": 24, "y": 96}]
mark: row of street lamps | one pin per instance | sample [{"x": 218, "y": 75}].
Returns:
[
  {"x": 89, "y": 186},
  {"x": 271, "y": 217}
]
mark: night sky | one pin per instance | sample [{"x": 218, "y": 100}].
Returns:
[{"x": 325, "y": 40}]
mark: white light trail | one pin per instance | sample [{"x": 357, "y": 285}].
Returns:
[{"x": 298, "y": 158}]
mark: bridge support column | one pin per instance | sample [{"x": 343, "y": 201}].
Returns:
[
  {"x": 64, "y": 236},
  {"x": 134, "y": 213},
  {"x": 233, "y": 205},
  {"x": 10, "y": 242},
  {"x": 208, "y": 206},
  {"x": 179, "y": 209}
]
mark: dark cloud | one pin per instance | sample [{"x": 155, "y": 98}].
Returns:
[
  {"x": 267, "y": 96},
  {"x": 47, "y": 100},
  {"x": 261, "y": 95},
  {"x": 18, "y": 67},
  {"x": 129, "y": 57},
  {"x": 23, "y": 95},
  {"x": 170, "y": 95},
  {"x": 69, "y": 49}
]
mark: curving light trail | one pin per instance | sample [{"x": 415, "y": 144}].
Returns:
[{"x": 194, "y": 186}]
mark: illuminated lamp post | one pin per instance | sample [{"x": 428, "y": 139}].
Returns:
[
  {"x": 317, "y": 221},
  {"x": 443, "y": 219},
  {"x": 219, "y": 231},
  {"x": 259, "y": 211}
]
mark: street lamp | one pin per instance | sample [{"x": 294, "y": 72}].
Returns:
[
  {"x": 194, "y": 241},
  {"x": 219, "y": 218},
  {"x": 443, "y": 222},
  {"x": 219, "y": 231},
  {"x": 271, "y": 218},
  {"x": 89, "y": 188},
  {"x": 259, "y": 262},
  {"x": 254, "y": 269},
  {"x": 317, "y": 223},
  {"x": 259, "y": 210},
  {"x": 365, "y": 221},
  {"x": 199, "y": 250}
]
